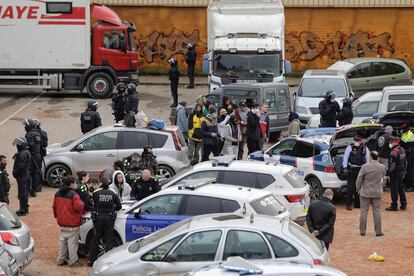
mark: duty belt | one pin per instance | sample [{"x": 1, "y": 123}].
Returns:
[{"x": 354, "y": 166}]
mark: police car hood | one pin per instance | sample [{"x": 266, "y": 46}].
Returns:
[
  {"x": 396, "y": 119},
  {"x": 344, "y": 136}
]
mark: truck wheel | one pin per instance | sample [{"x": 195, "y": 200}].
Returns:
[
  {"x": 56, "y": 174},
  {"x": 100, "y": 85},
  {"x": 316, "y": 188}
]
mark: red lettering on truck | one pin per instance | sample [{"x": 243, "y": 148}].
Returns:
[
  {"x": 19, "y": 12},
  {"x": 32, "y": 14}
]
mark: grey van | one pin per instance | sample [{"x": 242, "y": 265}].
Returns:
[{"x": 275, "y": 95}]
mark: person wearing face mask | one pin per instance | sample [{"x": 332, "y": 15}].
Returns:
[
  {"x": 328, "y": 109},
  {"x": 355, "y": 156},
  {"x": 194, "y": 137},
  {"x": 397, "y": 165},
  {"x": 253, "y": 129},
  {"x": 232, "y": 137},
  {"x": 4, "y": 180},
  {"x": 149, "y": 160}
]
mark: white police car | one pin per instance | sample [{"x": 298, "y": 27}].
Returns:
[
  {"x": 174, "y": 204},
  {"x": 317, "y": 154}
]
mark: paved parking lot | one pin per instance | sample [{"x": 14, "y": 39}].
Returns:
[{"x": 59, "y": 114}]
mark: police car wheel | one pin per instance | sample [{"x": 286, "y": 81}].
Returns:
[
  {"x": 165, "y": 172},
  {"x": 56, "y": 174},
  {"x": 316, "y": 189},
  {"x": 100, "y": 85}
]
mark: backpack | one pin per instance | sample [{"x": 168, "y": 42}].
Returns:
[
  {"x": 173, "y": 116},
  {"x": 129, "y": 119},
  {"x": 156, "y": 124}
]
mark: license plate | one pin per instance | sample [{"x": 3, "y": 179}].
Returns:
[
  {"x": 272, "y": 117},
  {"x": 14, "y": 267}
]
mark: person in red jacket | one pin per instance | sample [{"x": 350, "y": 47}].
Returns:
[{"x": 68, "y": 209}]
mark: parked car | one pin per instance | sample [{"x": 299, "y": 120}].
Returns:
[
  {"x": 180, "y": 202},
  {"x": 290, "y": 190},
  {"x": 15, "y": 236},
  {"x": 99, "y": 148},
  {"x": 235, "y": 266},
  {"x": 373, "y": 74},
  {"x": 275, "y": 95},
  {"x": 391, "y": 98},
  {"x": 312, "y": 90},
  {"x": 203, "y": 240},
  {"x": 318, "y": 157},
  {"x": 8, "y": 265}
]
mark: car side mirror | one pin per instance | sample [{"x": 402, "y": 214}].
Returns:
[
  {"x": 170, "y": 258},
  {"x": 137, "y": 212},
  {"x": 294, "y": 94},
  {"x": 79, "y": 148},
  {"x": 270, "y": 153}
]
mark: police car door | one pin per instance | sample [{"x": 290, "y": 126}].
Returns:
[
  {"x": 282, "y": 152},
  {"x": 153, "y": 214}
]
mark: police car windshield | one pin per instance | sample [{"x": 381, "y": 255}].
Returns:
[{"x": 160, "y": 234}]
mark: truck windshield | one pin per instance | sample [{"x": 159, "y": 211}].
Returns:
[
  {"x": 246, "y": 65},
  {"x": 132, "y": 44},
  {"x": 317, "y": 87}
]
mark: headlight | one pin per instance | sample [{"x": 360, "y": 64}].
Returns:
[
  {"x": 301, "y": 109},
  {"x": 102, "y": 267}
]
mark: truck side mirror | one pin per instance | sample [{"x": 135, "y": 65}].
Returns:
[
  {"x": 206, "y": 64},
  {"x": 288, "y": 67}
]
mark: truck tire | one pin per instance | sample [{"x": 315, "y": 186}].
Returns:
[{"x": 100, "y": 85}]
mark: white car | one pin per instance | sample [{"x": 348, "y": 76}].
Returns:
[
  {"x": 180, "y": 202},
  {"x": 292, "y": 191},
  {"x": 203, "y": 240}
]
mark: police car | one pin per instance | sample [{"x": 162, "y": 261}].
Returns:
[
  {"x": 317, "y": 154},
  {"x": 174, "y": 204}
]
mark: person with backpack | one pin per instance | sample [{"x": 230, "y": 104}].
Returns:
[
  {"x": 90, "y": 119},
  {"x": 118, "y": 102},
  {"x": 182, "y": 119},
  {"x": 131, "y": 106}
]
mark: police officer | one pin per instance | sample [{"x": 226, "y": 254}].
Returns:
[
  {"x": 131, "y": 101},
  {"x": 407, "y": 138},
  {"x": 21, "y": 171},
  {"x": 118, "y": 102},
  {"x": 128, "y": 161},
  {"x": 34, "y": 142},
  {"x": 383, "y": 147},
  {"x": 174, "y": 77},
  {"x": 145, "y": 186},
  {"x": 328, "y": 108},
  {"x": 346, "y": 114},
  {"x": 190, "y": 59},
  {"x": 106, "y": 204},
  {"x": 4, "y": 180},
  {"x": 45, "y": 142},
  {"x": 90, "y": 119},
  {"x": 355, "y": 156},
  {"x": 396, "y": 170}
]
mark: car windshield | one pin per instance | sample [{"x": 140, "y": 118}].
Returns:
[
  {"x": 241, "y": 95},
  {"x": 317, "y": 87},
  {"x": 246, "y": 65},
  {"x": 8, "y": 220},
  {"x": 160, "y": 234},
  {"x": 268, "y": 206}
]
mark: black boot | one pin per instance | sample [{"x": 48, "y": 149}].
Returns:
[
  {"x": 21, "y": 212},
  {"x": 391, "y": 209},
  {"x": 33, "y": 193}
]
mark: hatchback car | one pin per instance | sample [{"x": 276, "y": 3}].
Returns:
[
  {"x": 203, "y": 240},
  {"x": 8, "y": 265},
  {"x": 290, "y": 190},
  {"x": 373, "y": 74},
  {"x": 99, "y": 148},
  {"x": 16, "y": 237},
  {"x": 180, "y": 202}
]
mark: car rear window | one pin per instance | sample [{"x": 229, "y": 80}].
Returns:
[
  {"x": 294, "y": 180},
  {"x": 305, "y": 237},
  {"x": 8, "y": 220},
  {"x": 268, "y": 206},
  {"x": 158, "y": 140}
]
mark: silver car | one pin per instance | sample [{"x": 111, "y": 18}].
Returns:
[
  {"x": 203, "y": 240},
  {"x": 99, "y": 148},
  {"x": 8, "y": 265},
  {"x": 16, "y": 237}
]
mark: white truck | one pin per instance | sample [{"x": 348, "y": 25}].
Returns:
[
  {"x": 245, "y": 42},
  {"x": 52, "y": 45}
]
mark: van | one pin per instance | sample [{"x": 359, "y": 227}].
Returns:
[
  {"x": 391, "y": 98},
  {"x": 312, "y": 90},
  {"x": 275, "y": 95}
]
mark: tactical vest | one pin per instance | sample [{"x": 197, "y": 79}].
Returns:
[{"x": 357, "y": 156}]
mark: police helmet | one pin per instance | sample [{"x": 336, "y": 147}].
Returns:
[
  {"x": 189, "y": 45},
  {"x": 330, "y": 94},
  {"x": 36, "y": 122},
  {"x": 29, "y": 123},
  {"x": 92, "y": 104},
  {"x": 131, "y": 88},
  {"x": 121, "y": 87},
  {"x": 348, "y": 101},
  {"x": 20, "y": 142},
  {"x": 173, "y": 61}
]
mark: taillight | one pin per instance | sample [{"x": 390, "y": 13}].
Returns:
[
  {"x": 295, "y": 198},
  {"x": 177, "y": 142},
  {"x": 329, "y": 169},
  {"x": 9, "y": 238},
  {"x": 318, "y": 262}
]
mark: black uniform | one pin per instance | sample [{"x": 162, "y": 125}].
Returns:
[
  {"x": 4, "y": 185},
  {"x": 383, "y": 146},
  {"x": 90, "y": 119},
  {"x": 44, "y": 139},
  {"x": 131, "y": 103},
  {"x": 118, "y": 106},
  {"x": 106, "y": 204},
  {"x": 356, "y": 159},
  {"x": 142, "y": 189},
  {"x": 396, "y": 171},
  {"x": 328, "y": 111},
  {"x": 148, "y": 162},
  {"x": 132, "y": 176},
  {"x": 174, "y": 77},
  {"x": 34, "y": 142},
  {"x": 21, "y": 171},
  {"x": 83, "y": 192},
  {"x": 346, "y": 115},
  {"x": 190, "y": 59}
]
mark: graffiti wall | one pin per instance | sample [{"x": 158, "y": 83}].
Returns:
[{"x": 315, "y": 38}]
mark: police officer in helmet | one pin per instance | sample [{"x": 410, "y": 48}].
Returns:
[
  {"x": 346, "y": 114},
  {"x": 174, "y": 77},
  {"x": 397, "y": 165},
  {"x": 45, "y": 142},
  {"x": 34, "y": 142},
  {"x": 21, "y": 171},
  {"x": 328, "y": 109},
  {"x": 106, "y": 204},
  {"x": 90, "y": 119},
  {"x": 118, "y": 102},
  {"x": 190, "y": 59},
  {"x": 132, "y": 101},
  {"x": 355, "y": 156}
]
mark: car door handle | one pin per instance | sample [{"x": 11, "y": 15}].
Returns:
[
  {"x": 110, "y": 155},
  {"x": 366, "y": 80},
  {"x": 393, "y": 78}
]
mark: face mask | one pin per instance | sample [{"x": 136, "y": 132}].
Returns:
[
  {"x": 332, "y": 100},
  {"x": 357, "y": 144}
]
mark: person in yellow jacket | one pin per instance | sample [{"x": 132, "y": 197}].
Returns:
[
  {"x": 194, "y": 137},
  {"x": 407, "y": 139}
]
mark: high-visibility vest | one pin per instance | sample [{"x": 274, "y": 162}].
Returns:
[{"x": 407, "y": 137}]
